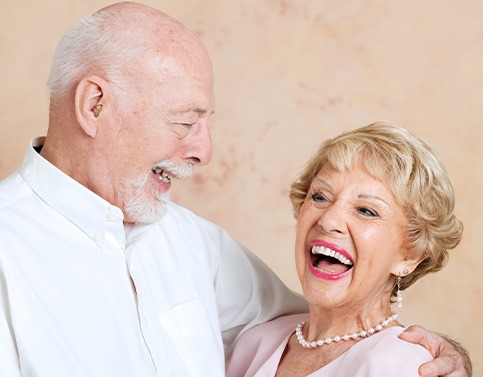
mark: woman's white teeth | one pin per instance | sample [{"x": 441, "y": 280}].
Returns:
[{"x": 318, "y": 249}]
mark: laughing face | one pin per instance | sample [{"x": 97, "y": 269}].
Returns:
[
  {"x": 350, "y": 241},
  {"x": 164, "y": 130}
]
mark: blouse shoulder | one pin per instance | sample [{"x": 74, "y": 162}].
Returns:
[
  {"x": 255, "y": 346},
  {"x": 384, "y": 354}
]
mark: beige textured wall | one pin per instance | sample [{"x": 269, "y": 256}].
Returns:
[{"x": 288, "y": 74}]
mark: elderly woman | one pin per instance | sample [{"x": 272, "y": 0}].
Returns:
[{"x": 374, "y": 210}]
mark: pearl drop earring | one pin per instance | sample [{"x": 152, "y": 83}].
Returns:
[{"x": 399, "y": 299}]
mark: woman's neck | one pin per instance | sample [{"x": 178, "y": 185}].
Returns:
[{"x": 329, "y": 323}]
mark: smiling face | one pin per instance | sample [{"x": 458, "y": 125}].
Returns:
[
  {"x": 164, "y": 136},
  {"x": 350, "y": 241},
  {"x": 163, "y": 131}
]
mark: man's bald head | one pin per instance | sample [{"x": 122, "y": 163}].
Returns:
[{"x": 116, "y": 40}]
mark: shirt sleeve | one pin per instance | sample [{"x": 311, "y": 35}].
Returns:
[{"x": 248, "y": 292}]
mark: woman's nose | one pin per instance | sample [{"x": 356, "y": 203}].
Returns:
[{"x": 333, "y": 219}]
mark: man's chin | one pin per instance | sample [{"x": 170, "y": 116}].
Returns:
[{"x": 140, "y": 212}]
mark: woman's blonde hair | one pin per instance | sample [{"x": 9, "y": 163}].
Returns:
[{"x": 414, "y": 174}]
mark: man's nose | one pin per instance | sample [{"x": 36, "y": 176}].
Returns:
[{"x": 199, "y": 146}]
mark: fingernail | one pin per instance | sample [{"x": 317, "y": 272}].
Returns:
[{"x": 425, "y": 371}]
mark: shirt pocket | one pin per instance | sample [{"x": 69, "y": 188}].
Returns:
[{"x": 199, "y": 344}]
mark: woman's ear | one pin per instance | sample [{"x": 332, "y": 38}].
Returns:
[
  {"x": 90, "y": 94},
  {"x": 407, "y": 265}
]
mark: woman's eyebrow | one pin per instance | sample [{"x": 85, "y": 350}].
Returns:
[{"x": 370, "y": 196}]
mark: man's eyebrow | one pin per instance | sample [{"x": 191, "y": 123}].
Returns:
[
  {"x": 197, "y": 110},
  {"x": 203, "y": 111}
]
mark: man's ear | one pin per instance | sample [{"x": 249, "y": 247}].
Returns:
[{"x": 90, "y": 97}]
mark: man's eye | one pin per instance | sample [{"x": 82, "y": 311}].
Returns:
[
  {"x": 182, "y": 129},
  {"x": 367, "y": 212}
]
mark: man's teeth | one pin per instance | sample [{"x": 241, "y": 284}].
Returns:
[
  {"x": 318, "y": 249},
  {"x": 164, "y": 176}
]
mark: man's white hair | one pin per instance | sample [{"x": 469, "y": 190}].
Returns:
[{"x": 95, "y": 45}]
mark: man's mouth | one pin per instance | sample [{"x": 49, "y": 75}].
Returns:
[
  {"x": 164, "y": 176},
  {"x": 329, "y": 261}
]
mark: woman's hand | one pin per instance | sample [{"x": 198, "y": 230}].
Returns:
[{"x": 450, "y": 358}]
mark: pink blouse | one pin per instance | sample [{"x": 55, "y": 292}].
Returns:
[{"x": 257, "y": 353}]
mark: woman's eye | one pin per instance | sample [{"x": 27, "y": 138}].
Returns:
[
  {"x": 367, "y": 212},
  {"x": 318, "y": 198}
]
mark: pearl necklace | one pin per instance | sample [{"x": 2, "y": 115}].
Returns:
[{"x": 338, "y": 338}]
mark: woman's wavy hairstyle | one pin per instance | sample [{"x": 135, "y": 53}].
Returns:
[{"x": 414, "y": 174}]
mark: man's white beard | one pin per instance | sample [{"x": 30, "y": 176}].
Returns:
[
  {"x": 143, "y": 210},
  {"x": 147, "y": 205}
]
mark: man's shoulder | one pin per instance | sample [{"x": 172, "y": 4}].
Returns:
[
  {"x": 12, "y": 190},
  {"x": 177, "y": 215},
  {"x": 181, "y": 226}
]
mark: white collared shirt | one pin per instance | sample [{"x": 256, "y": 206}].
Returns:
[{"x": 81, "y": 295}]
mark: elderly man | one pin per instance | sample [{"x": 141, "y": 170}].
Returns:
[{"x": 101, "y": 275}]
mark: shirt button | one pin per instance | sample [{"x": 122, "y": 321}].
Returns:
[{"x": 98, "y": 237}]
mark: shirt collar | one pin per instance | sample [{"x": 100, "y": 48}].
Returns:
[{"x": 79, "y": 205}]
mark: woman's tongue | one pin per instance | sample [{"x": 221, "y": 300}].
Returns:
[{"x": 331, "y": 266}]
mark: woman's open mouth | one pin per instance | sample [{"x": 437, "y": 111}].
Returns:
[{"x": 329, "y": 262}]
